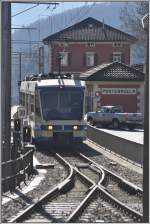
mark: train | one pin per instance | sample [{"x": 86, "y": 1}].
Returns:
[{"x": 54, "y": 109}]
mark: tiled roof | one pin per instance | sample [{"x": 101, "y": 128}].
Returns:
[
  {"x": 112, "y": 72},
  {"x": 90, "y": 29}
]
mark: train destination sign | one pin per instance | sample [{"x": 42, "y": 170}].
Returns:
[{"x": 118, "y": 91}]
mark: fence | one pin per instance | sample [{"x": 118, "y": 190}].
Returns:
[
  {"x": 128, "y": 149},
  {"x": 15, "y": 171}
]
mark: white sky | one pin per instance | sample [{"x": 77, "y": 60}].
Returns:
[{"x": 33, "y": 14}]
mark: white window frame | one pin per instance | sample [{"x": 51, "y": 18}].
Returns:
[
  {"x": 90, "y": 59},
  {"x": 64, "y": 59},
  {"x": 117, "y": 56}
]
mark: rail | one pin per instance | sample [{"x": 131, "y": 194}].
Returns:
[
  {"x": 130, "y": 150},
  {"x": 54, "y": 192}
]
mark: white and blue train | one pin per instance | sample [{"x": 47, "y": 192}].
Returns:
[{"x": 54, "y": 109}]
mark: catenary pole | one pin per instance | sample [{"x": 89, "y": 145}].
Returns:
[
  {"x": 41, "y": 60},
  {"x": 20, "y": 74},
  {"x": 6, "y": 80},
  {"x": 145, "y": 23}
]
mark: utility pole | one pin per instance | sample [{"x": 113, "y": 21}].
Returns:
[
  {"x": 145, "y": 23},
  {"x": 20, "y": 55},
  {"x": 41, "y": 60},
  {"x": 6, "y": 80},
  {"x": 20, "y": 76}
]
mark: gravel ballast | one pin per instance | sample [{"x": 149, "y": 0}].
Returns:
[{"x": 56, "y": 174}]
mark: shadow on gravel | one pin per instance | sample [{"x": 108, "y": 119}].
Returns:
[
  {"x": 50, "y": 150},
  {"x": 48, "y": 216},
  {"x": 139, "y": 129},
  {"x": 27, "y": 199}
]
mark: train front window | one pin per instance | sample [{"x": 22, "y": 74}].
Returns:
[{"x": 62, "y": 104}]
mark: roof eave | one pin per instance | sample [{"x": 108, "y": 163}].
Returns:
[{"x": 46, "y": 41}]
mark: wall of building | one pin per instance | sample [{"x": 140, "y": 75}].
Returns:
[
  {"x": 77, "y": 50},
  {"x": 130, "y": 95}
]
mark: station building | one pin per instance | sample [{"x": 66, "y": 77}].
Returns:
[
  {"x": 99, "y": 54},
  {"x": 87, "y": 44},
  {"x": 114, "y": 84}
]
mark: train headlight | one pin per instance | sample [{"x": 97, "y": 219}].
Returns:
[
  {"x": 75, "y": 127},
  {"x": 50, "y": 127}
]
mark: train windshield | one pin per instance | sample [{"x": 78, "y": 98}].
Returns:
[{"x": 62, "y": 104}]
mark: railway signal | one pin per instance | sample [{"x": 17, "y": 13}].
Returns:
[
  {"x": 26, "y": 134},
  {"x": 17, "y": 124}
]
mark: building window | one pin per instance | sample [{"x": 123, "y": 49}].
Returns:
[
  {"x": 63, "y": 44},
  {"x": 91, "y": 44},
  {"x": 90, "y": 58},
  {"x": 117, "y": 44},
  {"x": 117, "y": 56},
  {"x": 64, "y": 58}
]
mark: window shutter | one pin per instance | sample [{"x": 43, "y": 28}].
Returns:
[
  {"x": 84, "y": 59},
  {"x": 58, "y": 57},
  {"x": 111, "y": 57},
  {"x": 122, "y": 58},
  {"x": 69, "y": 58},
  {"x": 95, "y": 59}
]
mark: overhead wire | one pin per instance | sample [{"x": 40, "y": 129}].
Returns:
[
  {"x": 18, "y": 25},
  {"x": 25, "y": 10},
  {"x": 70, "y": 21}
]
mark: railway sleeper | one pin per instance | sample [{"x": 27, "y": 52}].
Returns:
[{"x": 121, "y": 207}]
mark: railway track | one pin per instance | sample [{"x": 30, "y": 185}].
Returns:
[
  {"x": 57, "y": 204},
  {"x": 127, "y": 192},
  {"x": 86, "y": 195},
  {"x": 121, "y": 190}
]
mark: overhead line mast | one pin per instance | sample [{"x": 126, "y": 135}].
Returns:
[{"x": 6, "y": 81}]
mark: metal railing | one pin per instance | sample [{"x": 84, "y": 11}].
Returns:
[
  {"x": 17, "y": 170},
  {"x": 130, "y": 150}
]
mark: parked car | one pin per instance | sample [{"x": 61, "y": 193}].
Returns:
[{"x": 114, "y": 115}]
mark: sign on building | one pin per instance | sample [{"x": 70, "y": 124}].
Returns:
[{"x": 118, "y": 91}]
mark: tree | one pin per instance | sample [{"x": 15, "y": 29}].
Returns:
[{"x": 131, "y": 16}]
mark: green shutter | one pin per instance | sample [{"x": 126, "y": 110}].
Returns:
[
  {"x": 69, "y": 58},
  {"x": 122, "y": 58},
  {"x": 95, "y": 59},
  {"x": 84, "y": 59},
  {"x": 111, "y": 57}
]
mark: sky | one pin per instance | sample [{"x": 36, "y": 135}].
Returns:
[{"x": 40, "y": 11}]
